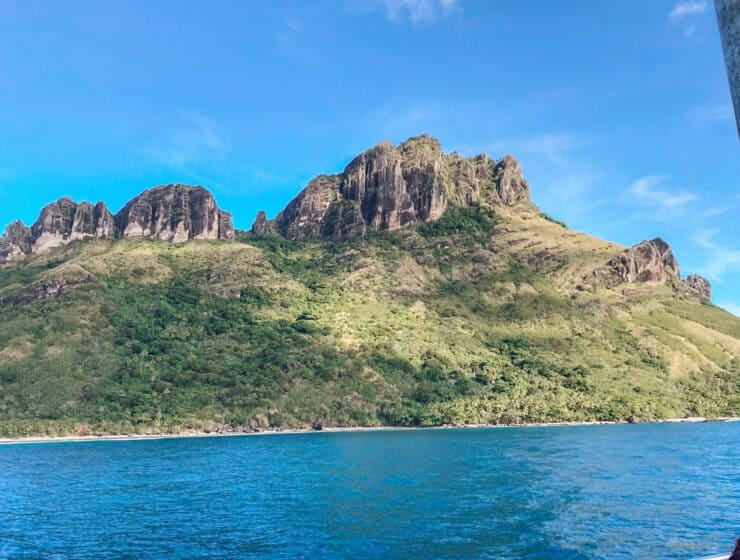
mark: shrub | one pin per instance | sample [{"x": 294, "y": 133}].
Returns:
[
  {"x": 458, "y": 220},
  {"x": 553, "y": 220}
]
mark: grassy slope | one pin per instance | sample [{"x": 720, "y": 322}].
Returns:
[{"x": 451, "y": 324}]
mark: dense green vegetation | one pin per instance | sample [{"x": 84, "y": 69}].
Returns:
[
  {"x": 409, "y": 328},
  {"x": 460, "y": 220}
]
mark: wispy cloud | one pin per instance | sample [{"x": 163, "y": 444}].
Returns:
[
  {"x": 192, "y": 141},
  {"x": 554, "y": 147},
  {"x": 650, "y": 191},
  {"x": 715, "y": 211},
  {"x": 564, "y": 179},
  {"x": 417, "y": 11},
  {"x": 684, "y": 15},
  {"x": 719, "y": 260}
]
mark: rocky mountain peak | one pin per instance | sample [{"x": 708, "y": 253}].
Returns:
[
  {"x": 389, "y": 187},
  {"x": 424, "y": 146},
  {"x": 17, "y": 232},
  {"x": 65, "y": 220},
  {"x": 171, "y": 212},
  {"x": 174, "y": 213},
  {"x": 15, "y": 242}
]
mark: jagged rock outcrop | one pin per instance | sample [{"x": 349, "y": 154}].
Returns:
[
  {"x": 65, "y": 220},
  {"x": 389, "y": 187},
  {"x": 472, "y": 178},
  {"x": 262, "y": 226},
  {"x": 54, "y": 224},
  {"x": 15, "y": 242},
  {"x": 699, "y": 286},
  {"x": 648, "y": 261},
  {"x": 174, "y": 213},
  {"x": 59, "y": 223},
  {"x": 511, "y": 187}
]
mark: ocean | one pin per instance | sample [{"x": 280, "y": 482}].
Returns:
[{"x": 645, "y": 491}]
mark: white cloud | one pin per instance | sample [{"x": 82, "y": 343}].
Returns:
[
  {"x": 719, "y": 259},
  {"x": 563, "y": 180},
  {"x": 418, "y": 11},
  {"x": 684, "y": 15},
  {"x": 569, "y": 196},
  {"x": 648, "y": 190},
  {"x": 685, "y": 9},
  {"x": 556, "y": 148}
]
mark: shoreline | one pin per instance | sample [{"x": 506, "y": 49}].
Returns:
[{"x": 295, "y": 431}]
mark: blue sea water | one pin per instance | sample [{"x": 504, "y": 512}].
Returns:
[{"x": 576, "y": 493}]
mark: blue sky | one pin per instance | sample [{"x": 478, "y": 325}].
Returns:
[{"x": 619, "y": 112}]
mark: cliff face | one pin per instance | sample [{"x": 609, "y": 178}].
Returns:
[
  {"x": 301, "y": 218},
  {"x": 389, "y": 187},
  {"x": 375, "y": 181},
  {"x": 58, "y": 223},
  {"x": 64, "y": 220},
  {"x": 173, "y": 212}
]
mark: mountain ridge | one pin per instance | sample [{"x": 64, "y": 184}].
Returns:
[
  {"x": 385, "y": 188},
  {"x": 392, "y": 293},
  {"x": 173, "y": 212}
]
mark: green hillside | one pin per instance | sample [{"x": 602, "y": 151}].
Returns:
[{"x": 473, "y": 318}]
